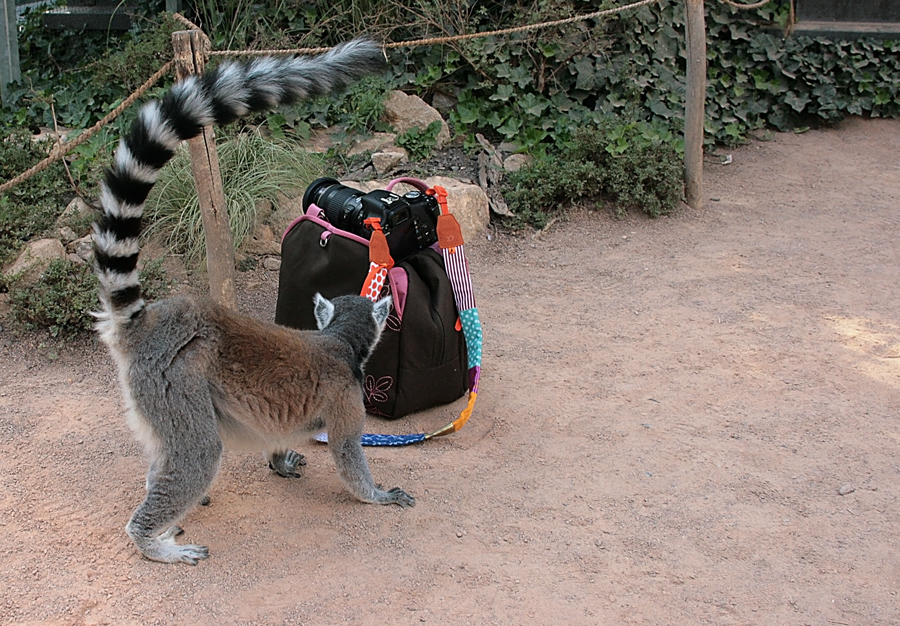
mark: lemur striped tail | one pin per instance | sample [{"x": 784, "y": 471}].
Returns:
[{"x": 231, "y": 91}]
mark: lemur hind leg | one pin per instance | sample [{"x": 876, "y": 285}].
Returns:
[
  {"x": 345, "y": 424},
  {"x": 286, "y": 463},
  {"x": 183, "y": 470},
  {"x": 174, "y": 489}
]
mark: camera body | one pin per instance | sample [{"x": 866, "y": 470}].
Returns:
[{"x": 409, "y": 221}]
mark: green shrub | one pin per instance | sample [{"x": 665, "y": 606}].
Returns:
[
  {"x": 81, "y": 75},
  {"x": 30, "y": 209},
  {"x": 623, "y": 164},
  {"x": 359, "y": 110},
  {"x": 61, "y": 300},
  {"x": 65, "y": 295},
  {"x": 420, "y": 143}
]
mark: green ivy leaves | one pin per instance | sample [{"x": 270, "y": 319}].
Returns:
[{"x": 756, "y": 77}]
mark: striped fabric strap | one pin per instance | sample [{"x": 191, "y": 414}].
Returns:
[{"x": 458, "y": 271}]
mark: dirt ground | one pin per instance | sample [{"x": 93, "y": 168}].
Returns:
[{"x": 689, "y": 420}]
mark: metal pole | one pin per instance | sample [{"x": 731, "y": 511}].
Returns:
[
  {"x": 695, "y": 102},
  {"x": 9, "y": 49}
]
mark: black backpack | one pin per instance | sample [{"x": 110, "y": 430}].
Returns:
[{"x": 421, "y": 359}]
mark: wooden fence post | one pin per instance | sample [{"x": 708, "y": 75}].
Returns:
[
  {"x": 695, "y": 101},
  {"x": 189, "y": 59}
]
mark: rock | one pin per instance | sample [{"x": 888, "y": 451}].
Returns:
[
  {"x": 365, "y": 185},
  {"x": 273, "y": 264},
  {"x": 376, "y": 143},
  {"x": 444, "y": 102},
  {"x": 74, "y": 258},
  {"x": 66, "y": 234},
  {"x": 320, "y": 141},
  {"x": 77, "y": 211},
  {"x": 508, "y": 146},
  {"x": 403, "y": 112},
  {"x": 384, "y": 162},
  {"x": 48, "y": 134},
  {"x": 263, "y": 208},
  {"x": 846, "y": 489},
  {"x": 84, "y": 247},
  {"x": 362, "y": 174},
  {"x": 287, "y": 209},
  {"x": 467, "y": 202},
  {"x": 262, "y": 242},
  {"x": 515, "y": 162},
  {"x": 34, "y": 258}
]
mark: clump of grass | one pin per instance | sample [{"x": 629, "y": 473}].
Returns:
[{"x": 252, "y": 167}]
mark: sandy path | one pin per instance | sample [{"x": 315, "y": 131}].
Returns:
[{"x": 669, "y": 412}]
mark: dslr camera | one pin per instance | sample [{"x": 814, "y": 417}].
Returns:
[{"x": 409, "y": 221}]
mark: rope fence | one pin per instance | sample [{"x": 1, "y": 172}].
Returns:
[{"x": 66, "y": 147}]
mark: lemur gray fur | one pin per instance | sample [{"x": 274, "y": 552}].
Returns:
[{"x": 195, "y": 374}]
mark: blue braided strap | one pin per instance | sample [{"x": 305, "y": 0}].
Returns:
[{"x": 381, "y": 440}]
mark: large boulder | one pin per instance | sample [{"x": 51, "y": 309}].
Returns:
[
  {"x": 468, "y": 203},
  {"x": 403, "y": 112},
  {"x": 36, "y": 256}
]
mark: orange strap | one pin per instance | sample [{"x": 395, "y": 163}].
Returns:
[
  {"x": 380, "y": 261},
  {"x": 379, "y": 251}
]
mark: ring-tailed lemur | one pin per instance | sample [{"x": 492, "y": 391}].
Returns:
[{"x": 195, "y": 374}]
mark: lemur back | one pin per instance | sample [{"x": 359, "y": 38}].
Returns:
[{"x": 196, "y": 375}]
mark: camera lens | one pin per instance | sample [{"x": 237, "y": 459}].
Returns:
[{"x": 335, "y": 199}]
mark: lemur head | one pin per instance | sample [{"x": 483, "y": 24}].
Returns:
[{"x": 354, "y": 319}]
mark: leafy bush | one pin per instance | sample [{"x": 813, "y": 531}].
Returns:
[
  {"x": 61, "y": 300},
  {"x": 536, "y": 88},
  {"x": 66, "y": 293},
  {"x": 625, "y": 164},
  {"x": 81, "y": 76},
  {"x": 420, "y": 143},
  {"x": 755, "y": 76},
  {"x": 252, "y": 168},
  {"x": 358, "y": 109},
  {"x": 31, "y": 208}
]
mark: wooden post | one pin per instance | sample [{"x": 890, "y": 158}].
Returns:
[
  {"x": 695, "y": 101},
  {"x": 189, "y": 59},
  {"x": 9, "y": 48}
]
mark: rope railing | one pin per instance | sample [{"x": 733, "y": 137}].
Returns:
[
  {"x": 66, "y": 147},
  {"x": 452, "y": 38}
]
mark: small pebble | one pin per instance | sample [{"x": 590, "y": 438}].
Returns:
[{"x": 846, "y": 489}]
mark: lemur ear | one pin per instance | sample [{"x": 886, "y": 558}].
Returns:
[
  {"x": 381, "y": 311},
  {"x": 323, "y": 310}
]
